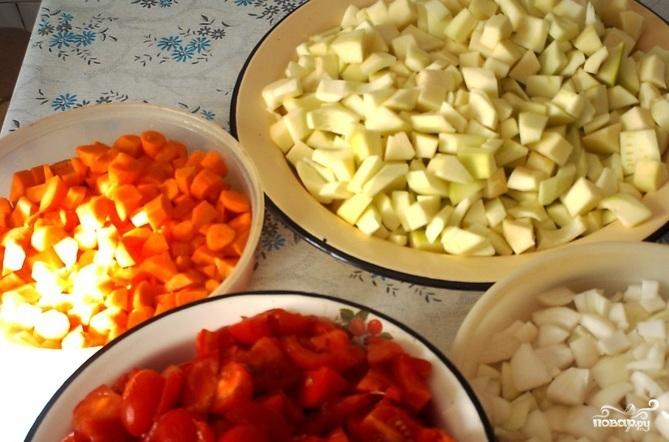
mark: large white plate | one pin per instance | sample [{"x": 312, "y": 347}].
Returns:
[{"x": 250, "y": 123}]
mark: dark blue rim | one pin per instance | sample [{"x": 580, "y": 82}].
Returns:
[
  {"x": 461, "y": 379},
  {"x": 323, "y": 245}
]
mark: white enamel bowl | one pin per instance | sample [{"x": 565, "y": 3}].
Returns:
[{"x": 170, "y": 339}]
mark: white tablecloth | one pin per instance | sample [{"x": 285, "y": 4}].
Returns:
[{"x": 188, "y": 54}]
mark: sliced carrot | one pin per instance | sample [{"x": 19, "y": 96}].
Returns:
[
  {"x": 160, "y": 266},
  {"x": 164, "y": 303},
  {"x": 54, "y": 194},
  {"x": 171, "y": 189},
  {"x": 180, "y": 281},
  {"x": 152, "y": 142},
  {"x": 183, "y": 262},
  {"x": 23, "y": 209},
  {"x": 184, "y": 178},
  {"x": 143, "y": 295},
  {"x": 210, "y": 270},
  {"x": 63, "y": 167},
  {"x": 195, "y": 158},
  {"x": 5, "y": 206},
  {"x": 127, "y": 199},
  {"x": 236, "y": 202},
  {"x": 203, "y": 256},
  {"x": 157, "y": 211},
  {"x": 148, "y": 190},
  {"x": 236, "y": 248},
  {"x": 186, "y": 296},
  {"x": 118, "y": 298},
  {"x": 241, "y": 222},
  {"x": 167, "y": 152},
  {"x": 123, "y": 256},
  {"x": 203, "y": 214},
  {"x": 125, "y": 169},
  {"x": 75, "y": 195},
  {"x": 20, "y": 182},
  {"x": 213, "y": 161},
  {"x": 101, "y": 163},
  {"x": 35, "y": 193},
  {"x": 139, "y": 315},
  {"x": 90, "y": 153},
  {"x": 155, "y": 244},
  {"x": 183, "y": 231},
  {"x": 206, "y": 185},
  {"x": 68, "y": 219},
  {"x": 38, "y": 174},
  {"x": 45, "y": 237},
  {"x": 183, "y": 205},
  {"x": 219, "y": 236},
  {"x": 225, "y": 266},
  {"x": 130, "y": 144},
  {"x": 211, "y": 285},
  {"x": 93, "y": 213},
  {"x": 182, "y": 154}
]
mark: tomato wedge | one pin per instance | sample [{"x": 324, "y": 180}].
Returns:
[
  {"x": 177, "y": 425},
  {"x": 415, "y": 391},
  {"x": 98, "y": 417},
  {"x": 388, "y": 423},
  {"x": 201, "y": 379},
  {"x": 174, "y": 383},
  {"x": 249, "y": 330},
  {"x": 244, "y": 433},
  {"x": 141, "y": 398},
  {"x": 320, "y": 385},
  {"x": 234, "y": 387}
]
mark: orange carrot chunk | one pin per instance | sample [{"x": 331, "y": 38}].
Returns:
[
  {"x": 130, "y": 144},
  {"x": 75, "y": 195},
  {"x": 125, "y": 169},
  {"x": 127, "y": 199},
  {"x": 54, "y": 194},
  {"x": 234, "y": 201},
  {"x": 152, "y": 142},
  {"x": 90, "y": 153},
  {"x": 101, "y": 163},
  {"x": 155, "y": 244},
  {"x": 159, "y": 266},
  {"x": 213, "y": 161},
  {"x": 184, "y": 177},
  {"x": 139, "y": 315},
  {"x": 206, "y": 185},
  {"x": 20, "y": 182},
  {"x": 35, "y": 193},
  {"x": 186, "y": 296},
  {"x": 241, "y": 222},
  {"x": 203, "y": 214},
  {"x": 219, "y": 236}
]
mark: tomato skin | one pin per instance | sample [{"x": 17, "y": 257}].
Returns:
[
  {"x": 204, "y": 432},
  {"x": 206, "y": 343},
  {"x": 320, "y": 385},
  {"x": 375, "y": 380},
  {"x": 244, "y": 433},
  {"x": 141, "y": 398},
  {"x": 284, "y": 323},
  {"x": 234, "y": 386},
  {"x": 270, "y": 366},
  {"x": 434, "y": 435},
  {"x": 333, "y": 413},
  {"x": 271, "y": 422},
  {"x": 74, "y": 437},
  {"x": 200, "y": 382},
  {"x": 380, "y": 350},
  {"x": 177, "y": 425},
  {"x": 174, "y": 383},
  {"x": 346, "y": 355},
  {"x": 98, "y": 417},
  {"x": 304, "y": 357},
  {"x": 338, "y": 436},
  {"x": 387, "y": 423}
]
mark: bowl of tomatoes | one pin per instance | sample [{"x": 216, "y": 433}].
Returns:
[{"x": 267, "y": 366}]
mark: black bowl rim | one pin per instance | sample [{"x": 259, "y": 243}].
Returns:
[
  {"x": 279, "y": 293},
  {"x": 323, "y": 245}
]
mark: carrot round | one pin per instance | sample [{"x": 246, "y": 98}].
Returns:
[
  {"x": 130, "y": 144},
  {"x": 219, "y": 236},
  {"x": 152, "y": 142},
  {"x": 234, "y": 201}
]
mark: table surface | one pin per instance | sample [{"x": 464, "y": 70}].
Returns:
[{"x": 188, "y": 54}]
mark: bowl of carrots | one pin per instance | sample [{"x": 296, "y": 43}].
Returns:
[{"x": 113, "y": 214}]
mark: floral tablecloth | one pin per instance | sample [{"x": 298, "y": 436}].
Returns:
[{"x": 188, "y": 54}]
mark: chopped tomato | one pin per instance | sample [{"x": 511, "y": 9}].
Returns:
[
  {"x": 141, "y": 398},
  {"x": 244, "y": 433},
  {"x": 234, "y": 387},
  {"x": 388, "y": 423},
  {"x": 98, "y": 417},
  {"x": 206, "y": 343},
  {"x": 174, "y": 383},
  {"x": 249, "y": 330},
  {"x": 415, "y": 391},
  {"x": 201, "y": 380},
  {"x": 303, "y": 356},
  {"x": 270, "y": 366},
  {"x": 284, "y": 323},
  {"x": 338, "y": 436},
  {"x": 267, "y": 420},
  {"x": 345, "y": 354},
  {"x": 204, "y": 432},
  {"x": 434, "y": 435},
  {"x": 74, "y": 437},
  {"x": 320, "y": 385},
  {"x": 177, "y": 425},
  {"x": 380, "y": 350}
]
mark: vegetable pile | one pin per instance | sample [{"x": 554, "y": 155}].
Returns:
[
  {"x": 480, "y": 127},
  {"x": 277, "y": 376},
  {"x": 548, "y": 378},
  {"x": 93, "y": 245}
]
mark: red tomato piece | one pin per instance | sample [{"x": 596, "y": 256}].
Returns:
[
  {"x": 141, "y": 398},
  {"x": 283, "y": 405},
  {"x": 177, "y": 425},
  {"x": 304, "y": 357},
  {"x": 284, "y": 323},
  {"x": 375, "y": 380},
  {"x": 204, "y": 432},
  {"x": 234, "y": 387},
  {"x": 334, "y": 413},
  {"x": 387, "y": 423},
  {"x": 270, "y": 367},
  {"x": 201, "y": 379},
  {"x": 206, "y": 343},
  {"x": 249, "y": 330},
  {"x": 338, "y": 435},
  {"x": 345, "y": 354},
  {"x": 320, "y": 385},
  {"x": 244, "y": 433},
  {"x": 74, "y": 437},
  {"x": 434, "y": 435},
  {"x": 174, "y": 382},
  {"x": 98, "y": 417},
  {"x": 267, "y": 420},
  {"x": 415, "y": 391},
  {"x": 380, "y": 350}
]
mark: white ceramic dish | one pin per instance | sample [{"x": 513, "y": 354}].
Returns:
[
  {"x": 249, "y": 122},
  {"x": 30, "y": 374},
  {"x": 611, "y": 266},
  {"x": 158, "y": 343}
]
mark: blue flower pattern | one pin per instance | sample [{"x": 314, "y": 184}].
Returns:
[
  {"x": 62, "y": 36},
  {"x": 64, "y": 102}
]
